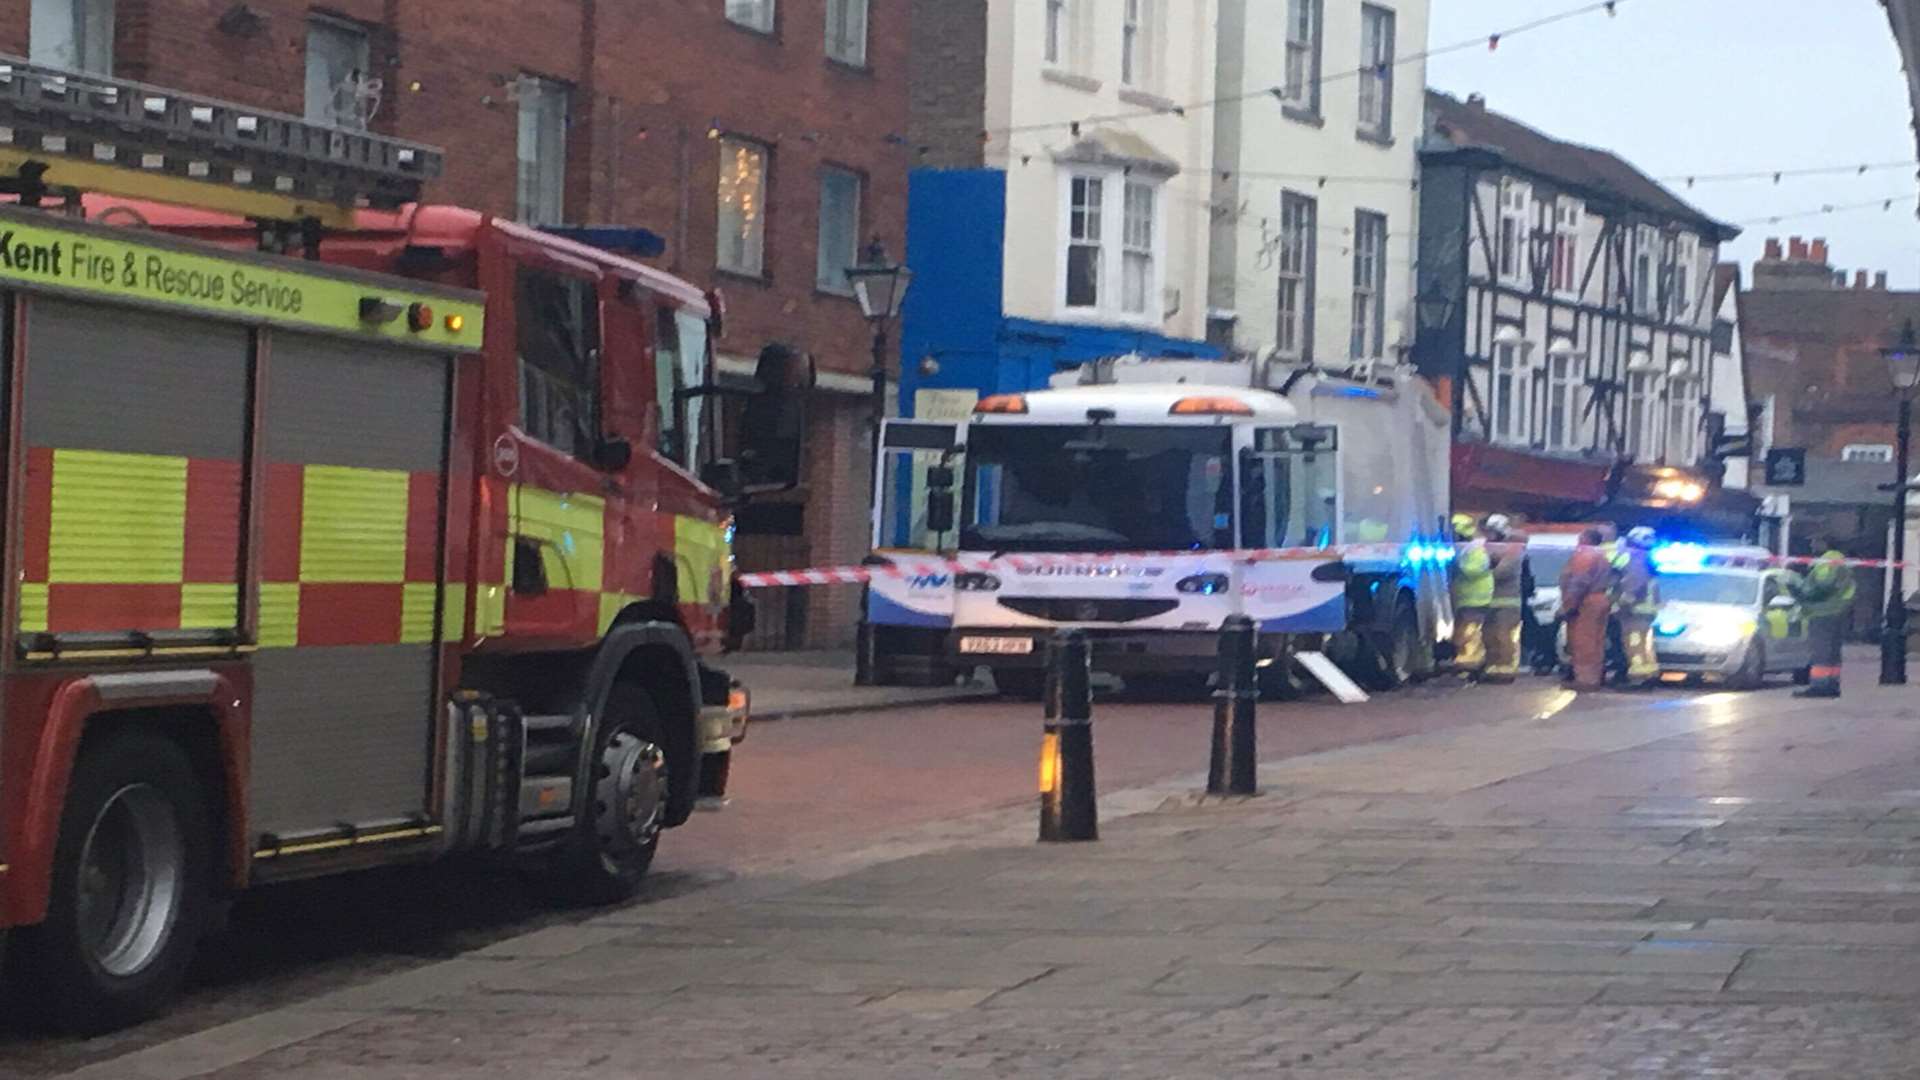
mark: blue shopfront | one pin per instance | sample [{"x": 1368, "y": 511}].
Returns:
[{"x": 955, "y": 333}]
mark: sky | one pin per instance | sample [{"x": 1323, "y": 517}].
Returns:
[{"x": 1690, "y": 87}]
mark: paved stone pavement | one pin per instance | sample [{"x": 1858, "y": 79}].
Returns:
[
  {"x": 1707, "y": 885},
  {"x": 794, "y": 684}
]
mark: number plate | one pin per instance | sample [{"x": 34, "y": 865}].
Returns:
[{"x": 1002, "y": 646}]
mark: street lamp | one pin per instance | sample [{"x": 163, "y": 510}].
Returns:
[
  {"x": 880, "y": 286},
  {"x": 1903, "y": 364},
  {"x": 1432, "y": 310}
]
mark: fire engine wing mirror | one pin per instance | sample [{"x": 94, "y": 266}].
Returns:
[
  {"x": 613, "y": 453},
  {"x": 775, "y": 423}
]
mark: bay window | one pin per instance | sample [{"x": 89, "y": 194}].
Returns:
[{"x": 1111, "y": 247}]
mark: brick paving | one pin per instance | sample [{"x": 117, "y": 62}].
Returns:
[{"x": 1709, "y": 885}]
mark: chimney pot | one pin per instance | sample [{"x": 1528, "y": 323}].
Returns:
[
  {"x": 1773, "y": 249},
  {"x": 1477, "y": 100},
  {"x": 1797, "y": 249},
  {"x": 1818, "y": 251},
  {"x": 1880, "y": 280},
  {"x": 1859, "y": 279}
]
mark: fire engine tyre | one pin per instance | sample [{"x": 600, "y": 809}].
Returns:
[
  {"x": 1390, "y": 658},
  {"x": 611, "y": 853},
  {"x": 131, "y": 889}
]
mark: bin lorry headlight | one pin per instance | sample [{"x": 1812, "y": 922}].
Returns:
[
  {"x": 1721, "y": 632},
  {"x": 975, "y": 581},
  {"x": 1202, "y": 584}
]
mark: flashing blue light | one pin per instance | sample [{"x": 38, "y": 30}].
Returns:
[
  {"x": 1421, "y": 554},
  {"x": 1679, "y": 558}
]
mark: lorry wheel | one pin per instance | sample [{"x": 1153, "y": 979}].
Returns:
[
  {"x": 1027, "y": 684},
  {"x": 611, "y": 851},
  {"x": 1390, "y": 658},
  {"x": 131, "y": 890}
]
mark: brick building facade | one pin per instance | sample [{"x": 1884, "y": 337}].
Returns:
[{"x": 749, "y": 134}]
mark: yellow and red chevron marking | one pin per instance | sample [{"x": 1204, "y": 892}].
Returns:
[{"x": 117, "y": 541}]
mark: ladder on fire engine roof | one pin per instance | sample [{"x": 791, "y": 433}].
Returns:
[{"x": 64, "y": 132}]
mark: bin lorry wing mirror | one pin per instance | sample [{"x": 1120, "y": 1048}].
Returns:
[
  {"x": 613, "y": 453},
  {"x": 940, "y": 510}
]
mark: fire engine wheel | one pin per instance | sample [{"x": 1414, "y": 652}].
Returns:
[
  {"x": 130, "y": 891},
  {"x": 632, "y": 788}
]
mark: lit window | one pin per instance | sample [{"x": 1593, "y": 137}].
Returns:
[
  {"x": 1302, "y": 88},
  {"x": 1295, "y": 258},
  {"x": 1376, "y": 71},
  {"x": 839, "y": 228},
  {"x": 72, "y": 34},
  {"x": 1870, "y": 453},
  {"x": 541, "y": 197},
  {"x": 743, "y": 207},
  {"x": 752, "y": 14},
  {"x": 847, "y": 31},
  {"x": 1084, "y": 215},
  {"x": 340, "y": 91},
  {"x": 1369, "y": 284}
]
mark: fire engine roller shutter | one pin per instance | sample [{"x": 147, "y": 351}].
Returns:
[
  {"x": 134, "y": 424},
  {"x": 354, "y": 440}
]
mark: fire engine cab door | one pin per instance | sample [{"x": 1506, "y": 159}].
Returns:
[{"x": 352, "y": 596}]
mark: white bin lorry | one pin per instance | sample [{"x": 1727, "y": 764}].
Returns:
[{"x": 1128, "y": 500}]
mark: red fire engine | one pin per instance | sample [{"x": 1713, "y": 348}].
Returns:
[{"x": 313, "y": 568}]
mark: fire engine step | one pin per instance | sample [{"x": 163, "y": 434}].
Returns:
[
  {"x": 558, "y": 722},
  {"x": 545, "y": 796}
]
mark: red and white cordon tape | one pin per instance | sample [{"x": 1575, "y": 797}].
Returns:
[{"x": 907, "y": 566}]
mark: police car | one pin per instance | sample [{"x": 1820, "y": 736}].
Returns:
[{"x": 1726, "y": 614}]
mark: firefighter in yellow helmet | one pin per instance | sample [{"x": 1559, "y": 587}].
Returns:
[
  {"x": 1507, "y": 552},
  {"x": 1472, "y": 596},
  {"x": 1828, "y": 599},
  {"x": 1636, "y": 601}
]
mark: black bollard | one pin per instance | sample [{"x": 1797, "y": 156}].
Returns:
[
  {"x": 1066, "y": 750},
  {"x": 1233, "y": 768}
]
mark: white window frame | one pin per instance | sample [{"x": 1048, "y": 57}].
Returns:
[
  {"x": 324, "y": 98},
  {"x": 1565, "y": 380},
  {"x": 756, "y": 15},
  {"x": 1377, "y": 28},
  {"x": 1139, "y": 248},
  {"x": 1140, "y": 37},
  {"x": 545, "y": 107},
  {"x": 1369, "y": 338},
  {"x": 1296, "y": 260},
  {"x": 1510, "y": 245},
  {"x": 1868, "y": 453},
  {"x": 1683, "y": 419},
  {"x": 1645, "y": 277},
  {"x": 1565, "y": 273},
  {"x": 847, "y": 31},
  {"x": 1112, "y": 245},
  {"x": 1300, "y": 88},
  {"x": 1686, "y": 258},
  {"x": 831, "y": 259},
  {"x": 740, "y": 245},
  {"x": 1644, "y": 398},
  {"x": 74, "y": 34},
  {"x": 1511, "y": 403}
]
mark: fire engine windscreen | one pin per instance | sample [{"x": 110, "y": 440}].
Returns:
[{"x": 1106, "y": 487}]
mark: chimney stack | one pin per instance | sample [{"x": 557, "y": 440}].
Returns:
[
  {"x": 1818, "y": 252},
  {"x": 1839, "y": 279},
  {"x": 1477, "y": 100},
  {"x": 1797, "y": 249},
  {"x": 1859, "y": 279},
  {"x": 1773, "y": 249},
  {"x": 1880, "y": 281}
]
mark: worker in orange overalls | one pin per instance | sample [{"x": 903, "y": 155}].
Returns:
[
  {"x": 1507, "y": 549},
  {"x": 1585, "y": 607}
]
